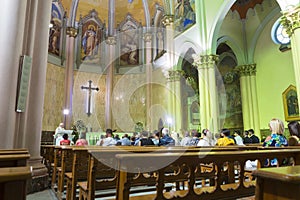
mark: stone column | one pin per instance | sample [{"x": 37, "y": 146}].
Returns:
[
  {"x": 36, "y": 46},
  {"x": 147, "y": 49},
  {"x": 12, "y": 18},
  {"x": 110, "y": 42},
  {"x": 69, "y": 74},
  {"x": 243, "y": 71},
  {"x": 291, "y": 21},
  {"x": 249, "y": 97},
  {"x": 256, "y": 124},
  {"x": 209, "y": 111},
  {"x": 168, "y": 22},
  {"x": 175, "y": 79}
]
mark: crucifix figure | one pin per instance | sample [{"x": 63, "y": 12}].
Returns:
[{"x": 89, "y": 88}]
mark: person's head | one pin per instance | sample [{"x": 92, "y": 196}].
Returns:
[
  {"x": 225, "y": 132},
  {"x": 187, "y": 134},
  {"x": 125, "y": 135},
  {"x": 294, "y": 128},
  {"x": 276, "y": 126},
  {"x": 61, "y": 125},
  {"x": 251, "y": 132},
  {"x": 195, "y": 133},
  {"x": 65, "y": 136},
  {"x": 165, "y": 131},
  {"x": 145, "y": 134},
  {"x": 204, "y": 132},
  {"x": 108, "y": 132},
  {"x": 156, "y": 133},
  {"x": 246, "y": 133},
  {"x": 237, "y": 132}
]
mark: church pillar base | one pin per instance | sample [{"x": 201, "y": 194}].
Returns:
[{"x": 40, "y": 177}]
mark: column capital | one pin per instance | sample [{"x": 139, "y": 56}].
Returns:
[
  {"x": 291, "y": 20},
  {"x": 147, "y": 37},
  {"x": 111, "y": 40},
  {"x": 174, "y": 75},
  {"x": 72, "y": 31},
  {"x": 205, "y": 61},
  {"x": 246, "y": 70},
  {"x": 168, "y": 20}
]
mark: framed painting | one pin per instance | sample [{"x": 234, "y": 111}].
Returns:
[{"x": 290, "y": 104}]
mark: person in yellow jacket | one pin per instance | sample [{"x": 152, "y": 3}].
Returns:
[{"x": 225, "y": 139}]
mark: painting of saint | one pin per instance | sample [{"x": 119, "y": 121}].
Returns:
[
  {"x": 54, "y": 37},
  {"x": 55, "y": 29},
  {"x": 91, "y": 38},
  {"x": 290, "y": 102},
  {"x": 129, "y": 49},
  {"x": 184, "y": 14}
]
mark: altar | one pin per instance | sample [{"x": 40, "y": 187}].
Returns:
[{"x": 59, "y": 135}]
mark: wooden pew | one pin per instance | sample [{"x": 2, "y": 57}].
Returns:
[
  {"x": 66, "y": 153},
  {"x": 13, "y": 182},
  {"x": 146, "y": 163},
  {"x": 278, "y": 183},
  {"x": 14, "y": 173},
  {"x": 11, "y": 158},
  {"x": 102, "y": 173}
]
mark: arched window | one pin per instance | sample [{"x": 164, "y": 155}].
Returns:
[{"x": 279, "y": 34}]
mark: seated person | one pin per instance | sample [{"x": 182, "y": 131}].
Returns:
[
  {"x": 65, "y": 140},
  {"x": 294, "y": 129},
  {"x": 145, "y": 140},
  {"x": 225, "y": 139},
  {"x": 81, "y": 142}
]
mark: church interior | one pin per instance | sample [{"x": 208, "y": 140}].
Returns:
[{"x": 133, "y": 65}]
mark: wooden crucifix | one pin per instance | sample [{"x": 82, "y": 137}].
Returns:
[{"x": 90, "y": 89}]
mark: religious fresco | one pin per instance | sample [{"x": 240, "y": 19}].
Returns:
[
  {"x": 55, "y": 32},
  {"x": 185, "y": 15},
  {"x": 92, "y": 33},
  {"x": 129, "y": 41},
  {"x": 228, "y": 87}
]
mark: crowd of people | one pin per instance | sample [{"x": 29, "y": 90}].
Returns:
[{"x": 163, "y": 137}]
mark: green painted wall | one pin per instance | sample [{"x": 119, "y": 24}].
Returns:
[{"x": 274, "y": 74}]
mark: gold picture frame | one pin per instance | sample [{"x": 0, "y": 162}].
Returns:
[{"x": 290, "y": 104}]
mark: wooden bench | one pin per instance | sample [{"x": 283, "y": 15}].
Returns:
[
  {"x": 133, "y": 167},
  {"x": 102, "y": 173},
  {"x": 14, "y": 173},
  {"x": 280, "y": 183},
  {"x": 13, "y": 182},
  {"x": 14, "y": 159}
]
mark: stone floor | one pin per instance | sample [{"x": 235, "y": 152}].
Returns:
[
  {"x": 49, "y": 195},
  {"x": 43, "y": 195}
]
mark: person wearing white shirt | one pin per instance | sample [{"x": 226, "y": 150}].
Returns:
[
  {"x": 108, "y": 140},
  {"x": 58, "y": 134}
]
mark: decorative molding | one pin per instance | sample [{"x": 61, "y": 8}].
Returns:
[
  {"x": 72, "y": 31},
  {"x": 174, "y": 75},
  {"x": 111, "y": 40},
  {"x": 168, "y": 20},
  {"x": 246, "y": 70},
  {"x": 147, "y": 37},
  {"x": 291, "y": 20},
  {"x": 204, "y": 61}
]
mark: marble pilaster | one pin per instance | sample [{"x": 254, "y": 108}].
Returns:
[
  {"x": 207, "y": 91},
  {"x": 291, "y": 21},
  {"x": 249, "y": 97}
]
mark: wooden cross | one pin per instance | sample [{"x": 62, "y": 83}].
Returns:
[{"x": 89, "y": 88}]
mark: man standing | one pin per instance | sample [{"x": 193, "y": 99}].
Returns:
[{"x": 58, "y": 134}]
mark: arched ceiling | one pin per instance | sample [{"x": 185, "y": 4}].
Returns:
[
  {"x": 135, "y": 8},
  {"x": 242, "y": 6}
]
